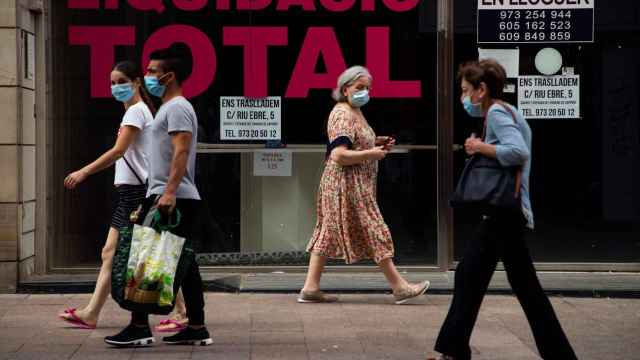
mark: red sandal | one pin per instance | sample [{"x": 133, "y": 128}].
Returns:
[
  {"x": 75, "y": 320},
  {"x": 177, "y": 326}
]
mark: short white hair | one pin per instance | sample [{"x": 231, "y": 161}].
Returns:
[{"x": 347, "y": 78}]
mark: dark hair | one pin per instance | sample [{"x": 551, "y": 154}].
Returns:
[
  {"x": 133, "y": 72},
  {"x": 177, "y": 59},
  {"x": 485, "y": 71}
]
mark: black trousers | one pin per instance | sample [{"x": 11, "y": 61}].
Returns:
[
  {"x": 192, "y": 283},
  {"x": 500, "y": 236}
]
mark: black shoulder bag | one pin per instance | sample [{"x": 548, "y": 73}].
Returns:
[
  {"x": 133, "y": 171},
  {"x": 485, "y": 184}
]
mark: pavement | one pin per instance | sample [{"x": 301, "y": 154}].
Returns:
[
  {"x": 361, "y": 326},
  {"x": 589, "y": 284}
]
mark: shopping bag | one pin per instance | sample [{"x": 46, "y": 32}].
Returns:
[{"x": 149, "y": 265}]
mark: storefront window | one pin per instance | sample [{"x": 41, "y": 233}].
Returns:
[
  {"x": 585, "y": 170},
  {"x": 293, "y": 52}
]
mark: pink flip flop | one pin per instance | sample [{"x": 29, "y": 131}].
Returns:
[
  {"x": 66, "y": 312},
  {"x": 76, "y": 321},
  {"x": 178, "y": 326}
]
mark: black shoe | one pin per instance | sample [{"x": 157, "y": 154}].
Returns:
[
  {"x": 190, "y": 336},
  {"x": 131, "y": 336}
]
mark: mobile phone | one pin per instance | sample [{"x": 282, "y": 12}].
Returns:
[{"x": 386, "y": 144}]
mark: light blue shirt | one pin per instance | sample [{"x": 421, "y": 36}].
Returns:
[{"x": 513, "y": 147}]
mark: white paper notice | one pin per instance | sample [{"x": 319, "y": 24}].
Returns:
[
  {"x": 549, "y": 97},
  {"x": 272, "y": 163},
  {"x": 510, "y": 88},
  {"x": 244, "y": 118},
  {"x": 508, "y": 58}
]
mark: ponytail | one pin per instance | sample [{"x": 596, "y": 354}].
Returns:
[{"x": 147, "y": 99}]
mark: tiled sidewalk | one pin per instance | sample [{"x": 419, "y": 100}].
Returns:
[{"x": 273, "y": 326}]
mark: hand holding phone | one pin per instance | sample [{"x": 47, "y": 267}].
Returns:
[{"x": 389, "y": 142}]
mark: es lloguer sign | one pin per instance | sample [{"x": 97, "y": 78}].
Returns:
[{"x": 535, "y": 21}]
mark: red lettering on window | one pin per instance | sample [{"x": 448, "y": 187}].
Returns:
[
  {"x": 102, "y": 41},
  {"x": 377, "y": 55},
  {"x": 255, "y": 41},
  {"x": 319, "y": 42},
  {"x": 202, "y": 51}
]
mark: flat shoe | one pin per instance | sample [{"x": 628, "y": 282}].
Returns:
[
  {"x": 410, "y": 291},
  {"x": 316, "y": 297}
]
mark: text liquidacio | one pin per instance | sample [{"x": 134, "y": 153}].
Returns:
[
  {"x": 320, "y": 44},
  {"x": 525, "y": 3},
  {"x": 247, "y": 5}
]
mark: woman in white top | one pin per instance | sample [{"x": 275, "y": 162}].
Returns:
[{"x": 132, "y": 166}]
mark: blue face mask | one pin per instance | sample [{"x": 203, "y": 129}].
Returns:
[
  {"x": 360, "y": 98},
  {"x": 474, "y": 110},
  {"x": 153, "y": 85},
  {"x": 122, "y": 92}
]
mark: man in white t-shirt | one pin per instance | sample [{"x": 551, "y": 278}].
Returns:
[{"x": 172, "y": 158}]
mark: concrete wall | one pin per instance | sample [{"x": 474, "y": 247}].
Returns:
[{"x": 17, "y": 143}]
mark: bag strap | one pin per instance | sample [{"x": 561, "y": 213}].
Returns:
[
  {"x": 133, "y": 171},
  {"x": 513, "y": 116},
  {"x": 157, "y": 218},
  {"x": 515, "y": 121},
  {"x": 154, "y": 220}
]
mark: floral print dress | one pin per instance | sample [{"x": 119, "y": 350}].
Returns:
[{"x": 350, "y": 225}]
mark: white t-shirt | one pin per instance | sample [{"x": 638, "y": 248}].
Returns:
[{"x": 138, "y": 116}]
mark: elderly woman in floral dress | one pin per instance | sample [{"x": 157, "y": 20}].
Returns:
[{"x": 350, "y": 225}]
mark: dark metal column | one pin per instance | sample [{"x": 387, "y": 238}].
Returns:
[{"x": 445, "y": 131}]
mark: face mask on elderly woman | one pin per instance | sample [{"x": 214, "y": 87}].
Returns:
[{"x": 359, "y": 98}]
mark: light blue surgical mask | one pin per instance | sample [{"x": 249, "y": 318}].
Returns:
[
  {"x": 154, "y": 86},
  {"x": 474, "y": 110},
  {"x": 122, "y": 92},
  {"x": 360, "y": 98}
]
